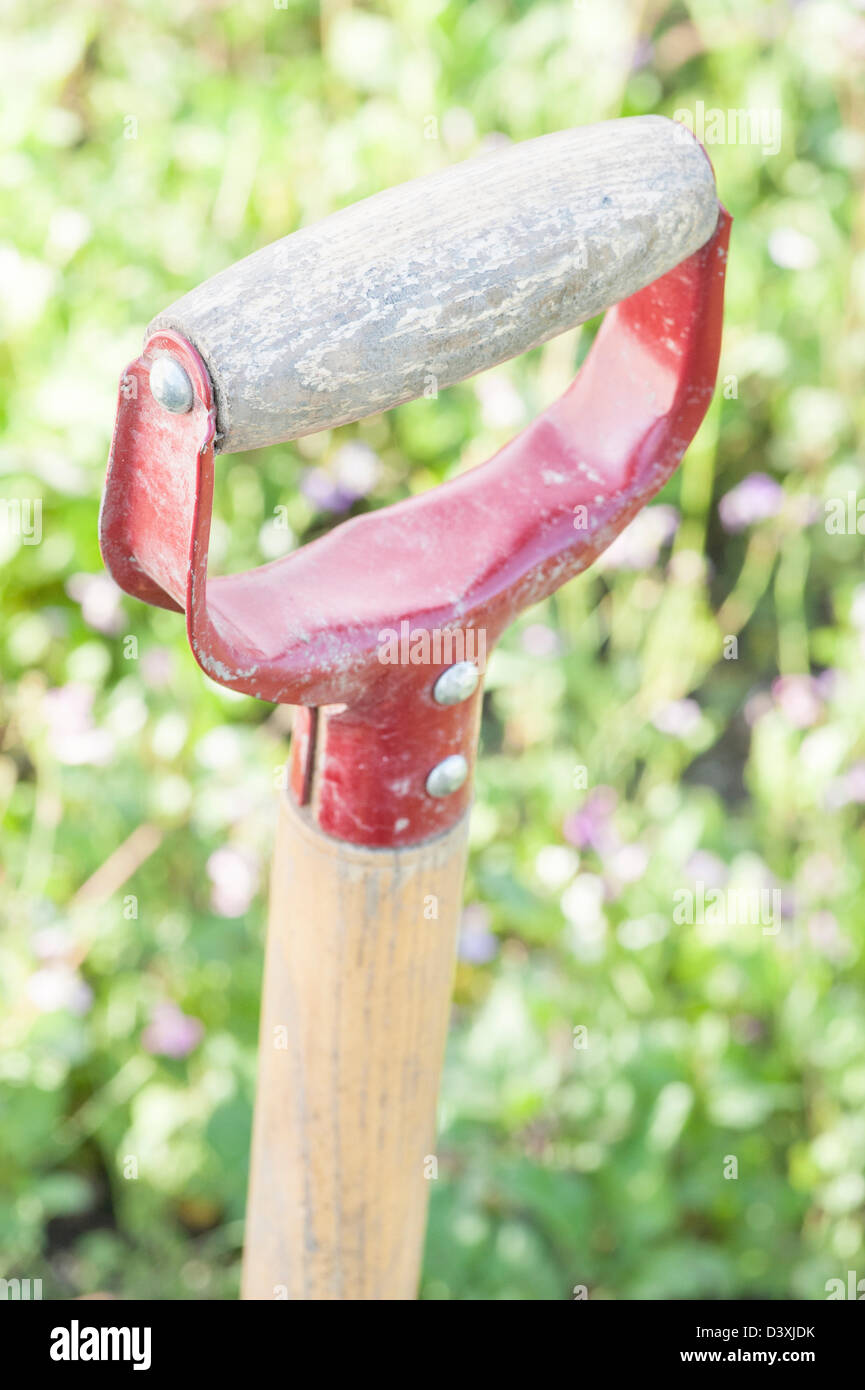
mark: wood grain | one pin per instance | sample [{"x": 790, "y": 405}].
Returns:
[
  {"x": 357, "y": 984},
  {"x": 430, "y": 282}
]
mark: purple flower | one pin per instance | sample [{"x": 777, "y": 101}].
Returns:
[
  {"x": 477, "y": 944},
  {"x": 171, "y": 1032},
  {"x": 705, "y": 867},
  {"x": 638, "y": 546},
  {"x": 787, "y": 902},
  {"x": 747, "y": 1028},
  {"x": 827, "y": 682},
  {"x": 756, "y": 498},
  {"x": 642, "y": 55},
  {"x": 322, "y": 492},
  {"x": 591, "y": 826},
  {"x": 354, "y": 471}
]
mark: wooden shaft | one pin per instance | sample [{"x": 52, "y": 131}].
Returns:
[
  {"x": 427, "y": 283},
  {"x": 356, "y": 998}
]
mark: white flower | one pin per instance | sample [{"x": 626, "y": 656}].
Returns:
[
  {"x": 58, "y": 986},
  {"x": 555, "y": 865},
  {"x": 792, "y": 250}
]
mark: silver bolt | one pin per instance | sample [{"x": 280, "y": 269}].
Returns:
[
  {"x": 448, "y": 775},
  {"x": 456, "y": 684},
  {"x": 170, "y": 386}
]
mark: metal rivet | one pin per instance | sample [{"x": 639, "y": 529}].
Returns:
[
  {"x": 456, "y": 684},
  {"x": 170, "y": 386},
  {"x": 448, "y": 775}
]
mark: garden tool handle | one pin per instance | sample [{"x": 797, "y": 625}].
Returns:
[
  {"x": 415, "y": 288},
  {"x": 355, "y": 1003},
  {"x": 430, "y": 282}
]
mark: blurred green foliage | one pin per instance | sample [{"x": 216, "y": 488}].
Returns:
[{"x": 146, "y": 146}]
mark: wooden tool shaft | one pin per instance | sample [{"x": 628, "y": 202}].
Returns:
[{"x": 357, "y": 983}]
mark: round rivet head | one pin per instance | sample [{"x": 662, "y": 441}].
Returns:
[
  {"x": 170, "y": 386},
  {"x": 456, "y": 684},
  {"x": 448, "y": 775}
]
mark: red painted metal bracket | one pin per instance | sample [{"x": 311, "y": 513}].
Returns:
[{"x": 465, "y": 558}]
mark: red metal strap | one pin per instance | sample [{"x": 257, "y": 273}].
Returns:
[{"x": 464, "y": 558}]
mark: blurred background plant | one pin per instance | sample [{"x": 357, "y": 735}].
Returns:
[{"x": 690, "y": 712}]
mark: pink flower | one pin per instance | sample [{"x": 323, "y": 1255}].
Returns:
[
  {"x": 75, "y": 740},
  {"x": 798, "y": 699},
  {"x": 820, "y": 876},
  {"x": 626, "y": 864},
  {"x": 591, "y": 827},
  {"x": 855, "y": 782},
  {"x": 157, "y": 667},
  {"x": 757, "y": 706},
  {"x": 825, "y": 934},
  {"x": 849, "y": 787},
  {"x": 679, "y": 718},
  {"x": 234, "y": 875},
  {"x": 539, "y": 640},
  {"x": 171, "y": 1032},
  {"x": 630, "y": 862}
]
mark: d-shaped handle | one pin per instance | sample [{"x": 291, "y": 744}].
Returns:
[
  {"x": 316, "y": 628},
  {"x": 443, "y": 277}
]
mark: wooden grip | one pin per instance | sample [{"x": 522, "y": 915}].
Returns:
[
  {"x": 430, "y": 282},
  {"x": 357, "y": 984}
]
